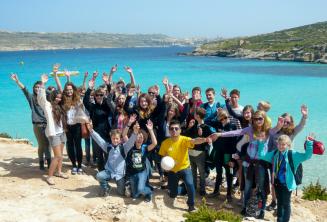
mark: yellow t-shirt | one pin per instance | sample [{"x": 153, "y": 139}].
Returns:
[{"x": 178, "y": 150}]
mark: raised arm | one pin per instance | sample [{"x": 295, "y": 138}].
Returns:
[
  {"x": 86, "y": 74},
  {"x": 67, "y": 74},
  {"x": 130, "y": 72},
  {"x": 300, "y": 126},
  {"x": 55, "y": 74},
  {"x": 278, "y": 127},
  {"x": 130, "y": 142},
  {"x": 97, "y": 138},
  {"x": 86, "y": 100},
  {"x": 149, "y": 125},
  {"x": 14, "y": 77},
  {"x": 41, "y": 96},
  {"x": 112, "y": 71},
  {"x": 131, "y": 120},
  {"x": 165, "y": 83}
]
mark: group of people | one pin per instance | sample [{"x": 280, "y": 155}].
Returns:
[{"x": 131, "y": 131}]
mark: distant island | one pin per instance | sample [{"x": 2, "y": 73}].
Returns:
[
  {"x": 302, "y": 44},
  {"x": 18, "y": 41}
]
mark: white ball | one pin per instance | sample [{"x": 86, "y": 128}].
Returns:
[{"x": 167, "y": 163}]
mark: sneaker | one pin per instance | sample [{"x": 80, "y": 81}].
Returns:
[
  {"x": 191, "y": 208},
  {"x": 203, "y": 193},
  {"x": 42, "y": 165},
  {"x": 74, "y": 170},
  {"x": 105, "y": 192},
  {"x": 128, "y": 192},
  {"x": 261, "y": 215},
  {"x": 148, "y": 198},
  {"x": 214, "y": 194},
  {"x": 80, "y": 171},
  {"x": 272, "y": 206},
  {"x": 243, "y": 211},
  {"x": 50, "y": 181}
]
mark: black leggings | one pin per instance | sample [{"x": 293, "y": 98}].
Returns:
[{"x": 74, "y": 144}]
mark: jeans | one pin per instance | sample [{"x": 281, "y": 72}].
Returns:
[
  {"x": 283, "y": 196},
  {"x": 198, "y": 162},
  {"x": 43, "y": 143},
  {"x": 139, "y": 185},
  {"x": 104, "y": 176},
  {"x": 88, "y": 151},
  {"x": 219, "y": 177},
  {"x": 260, "y": 181},
  {"x": 187, "y": 178},
  {"x": 74, "y": 144}
]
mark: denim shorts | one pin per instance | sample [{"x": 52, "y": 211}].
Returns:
[{"x": 57, "y": 139}]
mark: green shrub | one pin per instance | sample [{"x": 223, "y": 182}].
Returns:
[
  {"x": 315, "y": 192},
  {"x": 5, "y": 135},
  {"x": 207, "y": 214}
]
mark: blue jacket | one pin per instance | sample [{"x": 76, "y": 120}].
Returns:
[{"x": 272, "y": 157}]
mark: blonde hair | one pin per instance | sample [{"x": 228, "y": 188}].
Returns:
[
  {"x": 257, "y": 132},
  {"x": 265, "y": 105},
  {"x": 222, "y": 113},
  {"x": 285, "y": 139}
]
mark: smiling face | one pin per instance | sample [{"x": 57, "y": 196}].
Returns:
[
  {"x": 69, "y": 91},
  {"x": 115, "y": 139},
  {"x": 283, "y": 143},
  {"x": 176, "y": 91},
  {"x": 210, "y": 96},
  {"x": 174, "y": 130},
  {"x": 36, "y": 88},
  {"x": 288, "y": 121},
  {"x": 247, "y": 114},
  {"x": 234, "y": 100},
  {"x": 258, "y": 119},
  {"x": 143, "y": 103}
]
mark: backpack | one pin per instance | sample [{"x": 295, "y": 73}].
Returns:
[
  {"x": 121, "y": 149},
  {"x": 298, "y": 175}
]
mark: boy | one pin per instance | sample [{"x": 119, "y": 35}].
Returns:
[{"x": 115, "y": 166}]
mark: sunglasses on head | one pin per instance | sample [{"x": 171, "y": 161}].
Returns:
[
  {"x": 174, "y": 128},
  {"x": 101, "y": 95}
]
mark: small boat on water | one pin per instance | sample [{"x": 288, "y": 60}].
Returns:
[{"x": 62, "y": 73}]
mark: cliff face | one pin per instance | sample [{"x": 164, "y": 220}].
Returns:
[{"x": 302, "y": 44}]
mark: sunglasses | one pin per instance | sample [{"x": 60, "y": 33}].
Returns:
[
  {"x": 151, "y": 93},
  {"x": 287, "y": 122},
  {"x": 97, "y": 95},
  {"x": 258, "y": 119},
  {"x": 173, "y": 128},
  {"x": 224, "y": 118}
]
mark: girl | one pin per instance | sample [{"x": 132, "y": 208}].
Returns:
[
  {"x": 252, "y": 168},
  {"x": 290, "y": 130},
  {"x": 55, "y": 116},
  {"x": 282, "y": 176}
]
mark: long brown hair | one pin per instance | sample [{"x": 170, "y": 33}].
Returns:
[
  {"x": 290, "y": 129},
  {"x": 264, "y": 128},
  {"x": 59, "y": 115},
  {"x": 145, "y": 113},
  {"x": 68, "y": 101}
]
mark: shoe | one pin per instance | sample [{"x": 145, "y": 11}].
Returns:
[
  {"x": 41, "y": 165},
  {"x": 191, "y": 208},
  {"x": 128, "y": 192},
  {"x": 261, "y": 215},
  {"x": 148, "y": 198},
  {"x": 105, "y": 192},
  {"x": 272, "y": 206},
  {"x": 214, "y": 194},
  {"x": 50, "y": 181},
  {"x": 203, "y": 193},
  {"x": 74, "y": 170},
  {"x": 61, "y": 175},
  {"x": 80, "y": 171},
  {"x": 243, "y": 212}
]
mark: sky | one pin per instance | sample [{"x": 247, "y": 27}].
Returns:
[{"x": 177, "y": 18}]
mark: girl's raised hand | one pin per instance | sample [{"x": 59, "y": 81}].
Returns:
[
  {"x": 44, "y": 78},
  {"x": 14, "y": 77},
  {"x": 113, "y": 69},
  {"x": 304, "y": 111},
  {"x": 149, "y": 125},
  {"x": 91, "y": 83},
  {"x": 132, "y": 119}
]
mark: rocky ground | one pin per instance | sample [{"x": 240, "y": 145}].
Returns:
[{"x": 25, "y": 196}]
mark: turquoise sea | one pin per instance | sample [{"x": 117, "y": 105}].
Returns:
[{"x": 286, "y": 85}]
